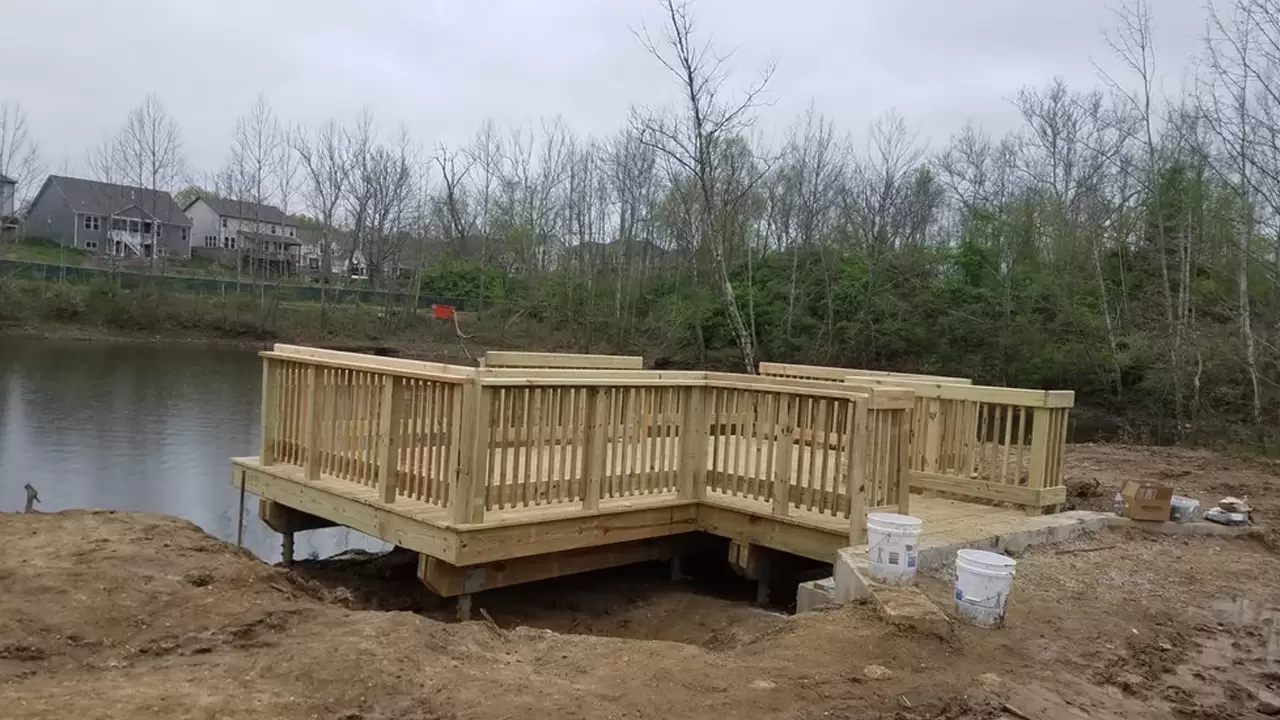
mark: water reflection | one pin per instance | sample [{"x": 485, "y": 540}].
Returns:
[{"x": 138, "y": 427}]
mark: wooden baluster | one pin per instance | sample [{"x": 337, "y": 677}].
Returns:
[
  {"x": 390, "y": 412},
  {"x": 785, "y": 428},
  {"x": 312, "y": 422}
]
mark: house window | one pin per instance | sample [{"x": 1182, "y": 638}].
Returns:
[
  {"x": 224, "y": 222},
  {"x": 229, "y": 243},
  {"x": 146, "y": 228},
  {"x": 291, "y": 230},
  {"x": 135, "y": 226},
  {"x": 119, "y": 224},
  {"x": 90, "y": 244},
  {"x": 273, "y": 229},
  {"x": 211, "y": 241},
  {"x": 186, "y": 235},
  {"x": 92, "y": 222}
]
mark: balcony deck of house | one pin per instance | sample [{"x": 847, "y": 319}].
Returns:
[{"x": 534, "y": 466}]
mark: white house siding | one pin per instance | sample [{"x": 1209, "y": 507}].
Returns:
[{"x": 204, "y": 223}]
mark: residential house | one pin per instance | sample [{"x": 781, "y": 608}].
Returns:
[
  {"x": 245, "y": 233},
  {"x": 110, "y": 219},
  {"x": 8, "y": 190},
  {"x": 344, "y": 262}
]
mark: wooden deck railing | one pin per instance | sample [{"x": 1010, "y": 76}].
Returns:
[
  {"x": 998, "y": 444},
  {"x": 971, "y": 441},
  {"x": 502, "y": 440}
]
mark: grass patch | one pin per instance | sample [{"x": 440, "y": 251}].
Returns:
[{"x": 45, "y": 251}]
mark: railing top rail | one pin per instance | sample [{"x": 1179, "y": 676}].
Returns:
[
  {"x": 881, "y": 398},
  {"x": 511, "y": 359},
  {"x": 977, "y": 393},
  {"x": 436, "y": 372},
  {"x": 838, "y": 374}
]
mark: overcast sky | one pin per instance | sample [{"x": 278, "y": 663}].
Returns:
[{"x": 441, "y": 67}]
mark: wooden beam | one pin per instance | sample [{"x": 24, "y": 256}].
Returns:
[
  {"x": 487, "y": 543},
  {"x": 749, "y": 561},
  {"x": 284, "y": 519},
  {"x": 384, "y": 523},
  {"x": 784, "y": 534},
  {"x": 502, "y": 358},
  {"x": 447, "y": 580}
]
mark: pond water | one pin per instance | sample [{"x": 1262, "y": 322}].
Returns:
[{"x": 138, "y": 427}]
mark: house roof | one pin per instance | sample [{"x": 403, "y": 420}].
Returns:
[
  {"x": 100, "y": 198},
  {"x": 7, "y": 180},
  {"x": 245, "y": 210}
]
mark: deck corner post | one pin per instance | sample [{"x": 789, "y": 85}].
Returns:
[
  {"x": 693, "y": 444},
  {"x": 1040, "y": 431},
  {"x": 390, "y": 413},
  {"x": 857, "y": 480},
  {"x": 270, "y": 395},
  {"x": 468, "y": 494}
]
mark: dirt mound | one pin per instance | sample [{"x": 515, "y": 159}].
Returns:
[{"x": 115, "y": 615}]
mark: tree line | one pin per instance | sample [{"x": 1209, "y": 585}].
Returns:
[{"x": 1119, "y": 241}]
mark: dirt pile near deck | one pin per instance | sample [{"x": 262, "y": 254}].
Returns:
[{"x": 115, "y": 615}]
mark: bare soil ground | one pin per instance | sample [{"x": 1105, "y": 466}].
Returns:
[{"x": 120, "y": 615}]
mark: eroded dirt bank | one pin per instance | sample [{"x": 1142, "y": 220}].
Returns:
[{"x": 117, "y": 615}]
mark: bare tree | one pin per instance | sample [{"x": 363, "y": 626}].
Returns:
[
  {"x": 19, "y": 155},
  {"x": 253, "y": 175},
  {"x": 146, "y": 152},
  {"x": 326, "y": 162},
  {"x": 1229, "y": 105},
  {"x": 693, "y": 140}
]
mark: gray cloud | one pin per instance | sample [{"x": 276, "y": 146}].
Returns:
[{"x": 442, "y": 67}]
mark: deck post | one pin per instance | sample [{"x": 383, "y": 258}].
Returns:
[
  {"x": 286, "y": 551},
  {"x": 593, "y": 450},
  {"x": 270, "y": 395},
  {"x": 467, "y": 497},
  {"x": 390, "y": 412},
  {"x": 857, "y": 479},
  {"x": 1041, "y": 428},
  {"x": 693, "y": 446}
]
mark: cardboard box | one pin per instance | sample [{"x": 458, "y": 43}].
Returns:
[{"x": 1146, "y": 500}]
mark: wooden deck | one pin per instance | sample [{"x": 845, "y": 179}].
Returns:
[{"x": 539, "y": 466}]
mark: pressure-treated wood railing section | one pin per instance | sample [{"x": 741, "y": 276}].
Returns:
[
  {"x": 969, "y": 441},
  {"x": 499, "y": 440}
]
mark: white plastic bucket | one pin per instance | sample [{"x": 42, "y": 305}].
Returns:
[
  {"x": 892, "y": 545},
  {"x": 983, "y": 581}
]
